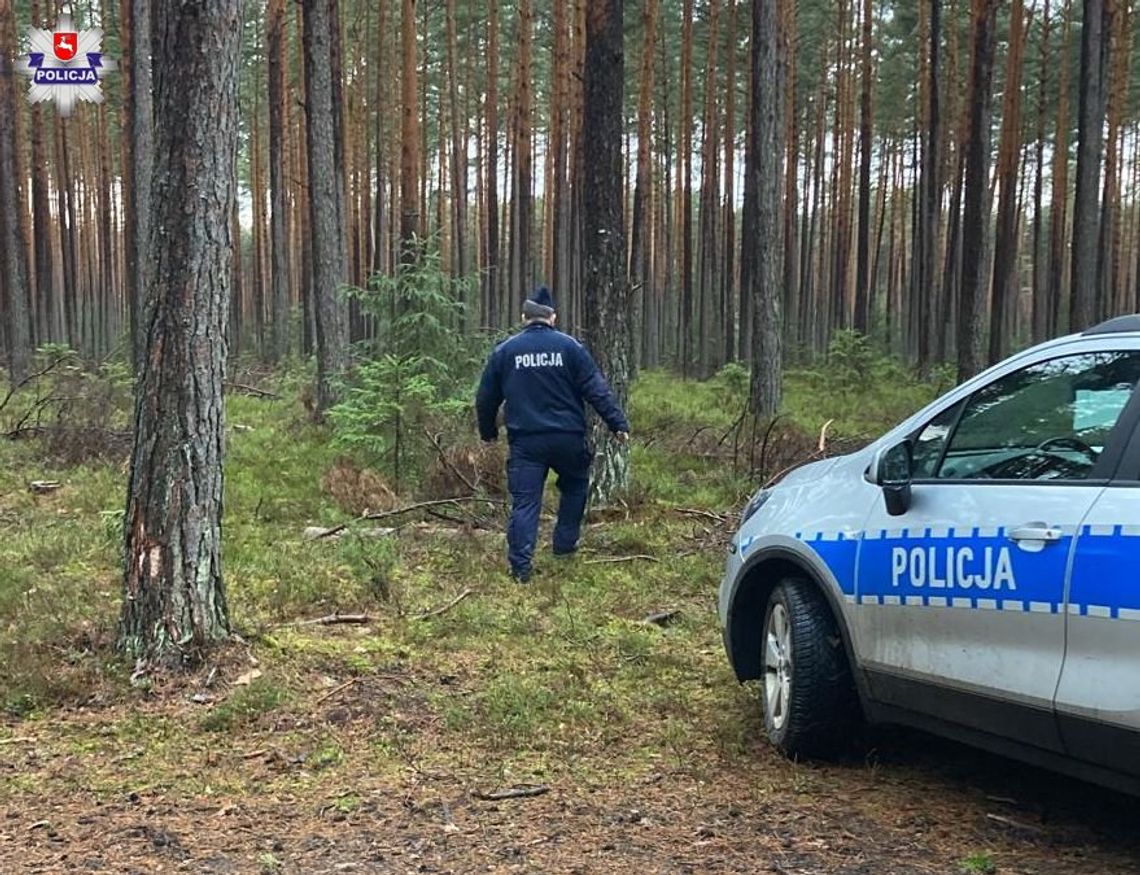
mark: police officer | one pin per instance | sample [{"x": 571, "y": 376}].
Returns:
[{"x": 544, "y": 376}]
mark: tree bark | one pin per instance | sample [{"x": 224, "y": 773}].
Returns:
[
  {"x": 41, "y": 222},
  {"x": 174, "y": 600},
  {"x": 1090, "y": 142},
  {"x": 607, "y": 328},
  {"x": 491, "y": 102},
  {"x": 458, "y": 153},
  {"x": 685, "y": 191},
  {"x": 409, "y": 138},
  {"x": 522, "y": 206},
  {"x": 329, "y": 268},
  {"x": 762, "y": 164},
  {"x": 866, "y": 120},
  {"x": 1059, "y": 201},
  {"x": 278, "y": 193},
  {"x": 13, "y": 253},
  {"x": 976, "y": 217},
  {"x": 641, "y": 249},
  {"x": 1040, "y": 323},
  {"x": 708, "y": 333},
  {"x": 1005, "y": 245}
]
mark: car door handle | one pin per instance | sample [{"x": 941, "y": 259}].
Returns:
[{"x": 1036, "y": 532}]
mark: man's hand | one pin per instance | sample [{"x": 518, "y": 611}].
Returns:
[{"x": 622, "y": 437}]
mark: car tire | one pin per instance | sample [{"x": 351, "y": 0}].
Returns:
[{"x": 811, "y": 709}]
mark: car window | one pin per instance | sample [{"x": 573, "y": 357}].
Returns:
[
  {"x": 1049, "y": 421},
  {"x": 931, "y": 440}
]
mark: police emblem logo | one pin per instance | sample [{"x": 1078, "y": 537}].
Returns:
[{"x": 65, "y": 65}]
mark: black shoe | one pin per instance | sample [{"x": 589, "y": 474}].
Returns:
[
  {"x": 565, "y": 554},
  {"x": 520, "y": 575}
]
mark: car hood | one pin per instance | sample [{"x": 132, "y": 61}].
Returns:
[{"x": 811, "y": 471}]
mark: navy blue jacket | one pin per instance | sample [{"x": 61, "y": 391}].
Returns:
[{"x": 544, "y": 376}]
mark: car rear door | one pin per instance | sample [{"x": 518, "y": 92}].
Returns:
[
  {"x": 1098, "y": 698},
  {"x": 961, "y": 599}
]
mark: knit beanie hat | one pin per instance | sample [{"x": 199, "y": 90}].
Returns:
[{"x": 539, "y": 304}]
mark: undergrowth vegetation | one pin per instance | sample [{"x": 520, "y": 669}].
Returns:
[{"x": 451, "y": 665}]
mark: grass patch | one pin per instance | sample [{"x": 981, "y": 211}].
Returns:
[
  {"x": 978, "y": 864},
  {"x": 244, "y": 706}
]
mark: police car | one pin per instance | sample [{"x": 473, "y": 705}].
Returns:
[{"x": 975, "y": 572}]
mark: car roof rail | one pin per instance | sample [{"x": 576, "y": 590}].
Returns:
[{"x": 1119, "y": 325}]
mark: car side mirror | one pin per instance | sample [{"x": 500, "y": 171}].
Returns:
[{"x": 891, "y": 470}]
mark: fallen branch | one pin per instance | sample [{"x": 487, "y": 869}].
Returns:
[
  {"x": 17, "y": 739},
  {"x": 254, "y": 391},
  {"x": 606, "y": 559},
  {"x": 662, "y": 618},
  {"x": 336, "y": 690},
  {"x": 512, "y": 793},
  {"x": 696, "y": 511},
  {"x": 420, "y": 505},
  {"x": 316, "y": 533},
  {"x": 443, "y": 610},
  {"x": 42, "y": 487},
  {"x": 1013, "y": 824},
  {"x": 331, "y": 620}
]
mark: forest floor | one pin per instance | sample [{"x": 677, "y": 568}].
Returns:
[{"x": 379, "y": 746}]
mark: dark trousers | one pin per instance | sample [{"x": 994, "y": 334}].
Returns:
[{"x": 532, "y": 456}]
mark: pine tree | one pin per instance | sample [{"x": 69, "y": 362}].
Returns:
[
  {"x": 174, "y": 600},
  {"x": 607, "y": 329}
]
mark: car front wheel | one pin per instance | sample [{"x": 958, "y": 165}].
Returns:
[{"x": 810, "y": 705}]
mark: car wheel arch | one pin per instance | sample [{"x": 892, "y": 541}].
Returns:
[{"x": 745, "y": 622}]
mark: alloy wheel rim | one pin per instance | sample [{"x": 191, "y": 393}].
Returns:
[{"x": 778, "y": 666}]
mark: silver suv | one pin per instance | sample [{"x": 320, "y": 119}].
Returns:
[{"x": 974, "y": 572}]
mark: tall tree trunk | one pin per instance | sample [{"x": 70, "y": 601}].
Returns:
[
  {"x": 762, "y": 163},
  {"x": 278, "y": 194},
  {"x": 41, "y": 221},
  {"x": 1059, "y": 200},
  {"x": 409, "y": 138},
  {"x": 141, "y": 109},
  {"x": 13, "y": 252},
  {"x": 65, "y": 207},
  {"x": 1090, "y": 141},
  {"x": 1005, "y": 285},
  {"x": 685, "y": 191},
  {"x": 641, "y": 249},
  {"x": 458, "y": 153},
  {"x": 329, "y": 269},
  {"x": 522, "y": 206},
  {"x": 728, "y": 220},
  {"x": 1118, "y": 21},
  {"x": 491, "y": 102},
  {"x": 1040, "y": 275},
  {"x": 607, "y": 328},
  {"x": 793, "y": 303},
  {"x": 174, "y": 601},
  {"x": 923, "y": 285},
  {"x": 708, "y": 334},
  {"x": 976, "y": 217},
  {"x": 866, "y": 120}
]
